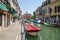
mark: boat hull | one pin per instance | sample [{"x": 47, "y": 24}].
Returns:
[
  {"x": 46, "y": 23},
  {"x": 33, "y": 33}
]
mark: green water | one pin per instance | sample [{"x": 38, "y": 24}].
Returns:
[{"x": 47, "y": 33}]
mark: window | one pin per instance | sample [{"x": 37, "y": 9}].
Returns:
[
  {"x": 50, "y": 10},
  {"x": 44, "y": 11},
  {"x": 45, "y": 3},
  {"x": 48, "y": 1},
  {"x": 57, "y": 9}
]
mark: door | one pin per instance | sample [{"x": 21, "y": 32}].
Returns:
[{"x": 0, "y": 20}]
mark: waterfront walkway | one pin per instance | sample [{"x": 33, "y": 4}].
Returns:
[{"x": 12, "y": 32}]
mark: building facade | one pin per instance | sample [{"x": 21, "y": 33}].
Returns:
[
  {"x": 50, "y": 10},
  {"x": 15, "y": 5},
  {"x": 7, "y": 10},
  {"x": 27, "y": 16},
  {"x": 52, "y": 14},
  {"x": 4, "y": 16}
]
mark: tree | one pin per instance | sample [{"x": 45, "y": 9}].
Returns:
[
  {"x": 34, "y": 13},
  {"x": 33, "y": 17}
]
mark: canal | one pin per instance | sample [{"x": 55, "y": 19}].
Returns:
[{"x": 47, "y": 33}]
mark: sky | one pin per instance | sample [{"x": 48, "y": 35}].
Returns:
[{"x": 29, "y": 5}]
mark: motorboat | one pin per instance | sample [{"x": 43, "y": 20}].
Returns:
[{"x": 32, "y": 30}]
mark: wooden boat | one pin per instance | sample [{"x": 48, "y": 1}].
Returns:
[{"x": 32, "y": 30}]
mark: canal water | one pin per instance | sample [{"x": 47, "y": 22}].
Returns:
[{"x": 47, "y": 33}]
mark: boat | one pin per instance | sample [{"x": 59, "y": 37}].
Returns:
[
  {"x": 32, "y": 30},
  {"x": 46, "y": 23},
  {"x": 51, "y": 24}
]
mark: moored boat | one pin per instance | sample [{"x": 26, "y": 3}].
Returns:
[
  {"x": 46, "y": 23},
  {"x": 32, "y": 30}
]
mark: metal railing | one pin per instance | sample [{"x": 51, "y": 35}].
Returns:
[{"x": 23, "y": 32}]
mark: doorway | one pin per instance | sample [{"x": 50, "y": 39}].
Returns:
[{"x": 0, "y": 20}]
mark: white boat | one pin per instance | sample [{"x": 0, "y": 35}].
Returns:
[
  {"x": 33, "y": 33},
  {"x": 46, "y": 23}
]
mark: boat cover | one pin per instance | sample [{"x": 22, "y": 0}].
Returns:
[{"x": 31, "y": 28}]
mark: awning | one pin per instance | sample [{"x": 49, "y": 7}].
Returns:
[
  {"x": 3, "y": 7},
  {"x": 12, "y": 11}
]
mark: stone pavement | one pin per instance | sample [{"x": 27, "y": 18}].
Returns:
[{"x": 12, "y": 32}]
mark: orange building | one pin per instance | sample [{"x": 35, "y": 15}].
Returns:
[{"x": 27, "y": 16}]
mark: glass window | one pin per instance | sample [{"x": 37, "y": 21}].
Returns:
[
  {"x": 55, "y": 9},
  {"x": 50, "y": 10},
  {"x": 58, "y": 8}
]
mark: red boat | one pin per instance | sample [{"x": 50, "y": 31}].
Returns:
[{"x": 32, "y": 30}]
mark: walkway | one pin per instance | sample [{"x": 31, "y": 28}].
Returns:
[{"x": 11, "y": 32}]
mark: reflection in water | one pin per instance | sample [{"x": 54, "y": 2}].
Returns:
[
  {"x": 50, "y": 33},
  {"x": 32, "y": 37},
  {"x": 47, "y": 33}
]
